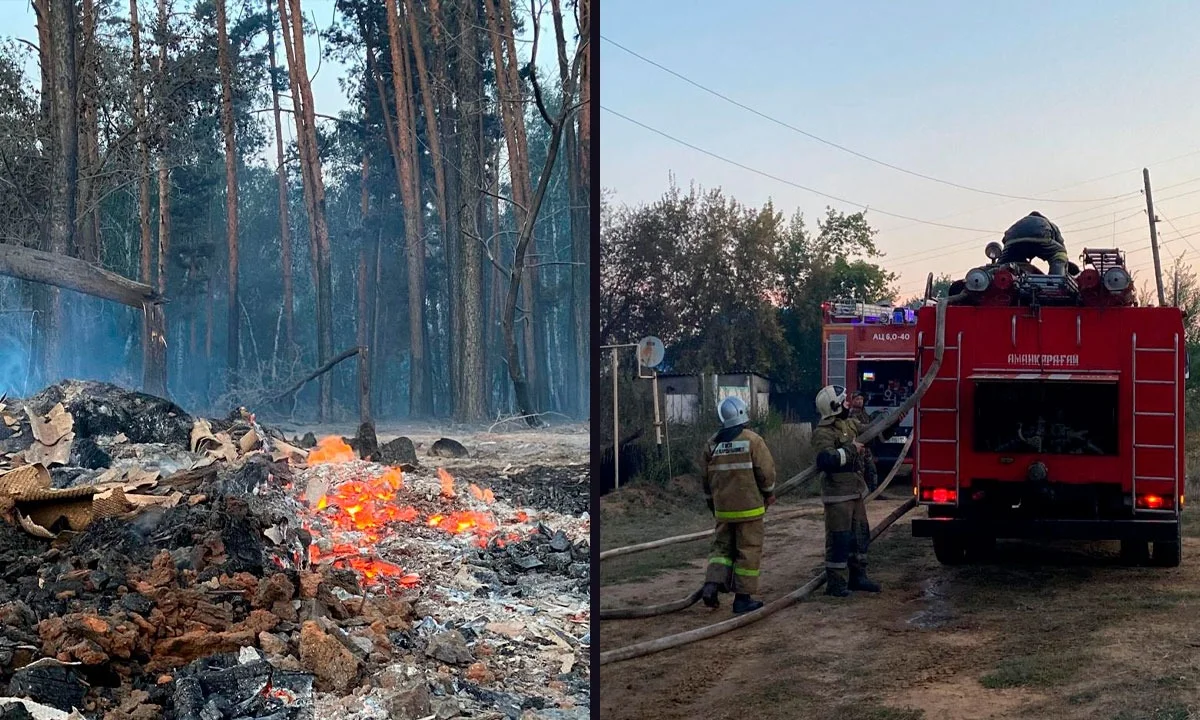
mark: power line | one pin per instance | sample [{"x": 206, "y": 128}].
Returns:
[
  {"x": 1129, "y": 196},
  {"x": 776, "y": 178},
  {"x": 963, "y": 245},
  {"x": 843, "y": 148}
]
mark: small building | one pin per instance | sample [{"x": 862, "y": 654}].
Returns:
[{"x": 682, "y": 394}]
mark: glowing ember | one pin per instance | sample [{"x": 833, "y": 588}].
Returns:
[
  {"x": 484, "y": 495},
  {"x": 359, "y": 513},
  {"x": 447, "y": 483},
  {"x": 522, "y": 516},
  {"x": 367, "y": 506},
  {"x": 330, "y": 450}
]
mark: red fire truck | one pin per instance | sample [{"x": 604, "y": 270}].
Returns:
[
  {"x": 1057, "y": 411},
  {"x": 872, "y": 348}
]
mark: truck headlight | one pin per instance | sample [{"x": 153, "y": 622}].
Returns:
[
  {"x": 978, "y": 280},
  {"x": 1116, "y": 279}
]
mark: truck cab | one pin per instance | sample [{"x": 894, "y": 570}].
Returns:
[
  {"x": 1056, "y": 412},
  {"x": 871, "y": 348}
]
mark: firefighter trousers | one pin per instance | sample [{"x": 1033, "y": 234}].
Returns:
[
  {"x": 735, "y": 556},
  {"x": 870, "y": 469},
  {"x": 847, "y": 535},
  {"x": 1025, "y": 249}
]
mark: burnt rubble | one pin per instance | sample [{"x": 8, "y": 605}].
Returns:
[{"x": 217, "y": 589}]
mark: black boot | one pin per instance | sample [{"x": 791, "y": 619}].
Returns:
[
  {"x": 743, "y": 603},
  {"x": 835, "y": 583},
  {"x": 1058, "y": 267},
  {"x": 709, "y": 594},
  {"x": 860, "y": 581}
]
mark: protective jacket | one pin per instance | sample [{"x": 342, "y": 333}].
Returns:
[
  {"x": 1033, "y": 236},
  {"x": 842, "y": 466},
  {"x": 739, "y": 474}
]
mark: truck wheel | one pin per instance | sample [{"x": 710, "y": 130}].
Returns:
[
  {"x": 981, "y": 549},
  {"x": 949, "y": 549},
  {"x": 1135, "y": 552},
  {"x": 1169, "y": 554}
]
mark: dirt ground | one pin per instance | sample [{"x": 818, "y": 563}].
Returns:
[
  {"x": 1042, "y": 630},
  {"x": 511, "y": 443}
]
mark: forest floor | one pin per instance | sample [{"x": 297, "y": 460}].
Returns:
[
  {"x": 1043, "y": 630},
  {"x": 170, "y": 566}
]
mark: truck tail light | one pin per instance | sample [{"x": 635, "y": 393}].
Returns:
[
  {"x": 1089, "y": 279},
  {"x": 1155, "y": 502},
  {"x": 943, "y": 496}
]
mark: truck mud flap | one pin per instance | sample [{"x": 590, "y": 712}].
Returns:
[{"x": 1147, "y": 530}]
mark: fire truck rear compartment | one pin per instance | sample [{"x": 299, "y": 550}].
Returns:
[{"x": 1020, "y": 418}]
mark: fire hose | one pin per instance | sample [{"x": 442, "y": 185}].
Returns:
[
  {"x": 630, "y": 613},
  {"x": 703, "y": 633},
  {"x": 809, "y": 473},
  {"x": 708, "y": 631}
]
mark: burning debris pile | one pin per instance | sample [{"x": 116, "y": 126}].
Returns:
[{"x": 157, "y": 565}]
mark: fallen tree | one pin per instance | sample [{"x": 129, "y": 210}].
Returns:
[{"x": 74, "y": 274}]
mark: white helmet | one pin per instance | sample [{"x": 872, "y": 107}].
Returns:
[
  {"x": 830, "y": 401},
  {"x": 732, "y": 412}
]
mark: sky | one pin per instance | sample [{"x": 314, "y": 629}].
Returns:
[
  {"x": 1063, "y": 102},
  {"x": 17, "y": 19}
]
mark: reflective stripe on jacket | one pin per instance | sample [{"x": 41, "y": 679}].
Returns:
[
  {"x": 738, "y": 473},
  {"x": 847, "y": 483}
]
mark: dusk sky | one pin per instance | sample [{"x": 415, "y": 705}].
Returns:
[{"x": 1063, "y": 102}]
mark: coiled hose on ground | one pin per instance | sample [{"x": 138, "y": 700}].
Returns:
[{"x": 672, "y": 641}]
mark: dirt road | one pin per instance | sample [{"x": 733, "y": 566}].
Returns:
[{"x": 1044, "y": 630}]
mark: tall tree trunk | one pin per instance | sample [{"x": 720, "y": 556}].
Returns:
[
  {"x": 533, "y": 327},
  {"x": 231, "y": 193},
  {"x": 143, "y": 173},
  {"x": 314, "y": 189},
  {"x": 579, "y": 327},
  {"x": 376, "y": 313},
  {"x": 285, "y": 232},
  {"x": 512, "y": 112},
  {"x": 155, "y": 372},
  {"x": 88, "y": 224},
  {"x": 420, "y": 402},
  {"x": 65, "y": 167},
  {"x": 40, "y": 295},
  {"x": 469, "y": 90},
  {"x": 583, "y": 9},
  {"x": 439, "y": 129},
  {"x": 497, "y": 368},
  {"x": 362, "y": 317},
  {"x": 582, "y": 253}
]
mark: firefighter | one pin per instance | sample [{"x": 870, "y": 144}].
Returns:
[
  {"x": 739, "y": 485},
  {"x": 858, "y": 413},
  {"x": 1034, "y": 236},
  {"x": 840, "y": 458}
]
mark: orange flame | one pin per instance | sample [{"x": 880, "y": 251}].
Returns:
[
  {"x": 358, "y": 514},
  {"x": 330, "y": 450},
  {"x": 484, "y": 495},
  {"x": 447, "y": 483}
]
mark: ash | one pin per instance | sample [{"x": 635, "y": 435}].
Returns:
[{"x": 240, "y": 578}]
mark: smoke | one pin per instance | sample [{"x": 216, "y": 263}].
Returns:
[{"x": 16, "y": 343}]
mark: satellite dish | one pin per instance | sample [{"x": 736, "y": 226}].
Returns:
[{"x": 650, "y": 352}]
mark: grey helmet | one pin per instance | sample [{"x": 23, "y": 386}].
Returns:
[{"x": 732, "y": 412}]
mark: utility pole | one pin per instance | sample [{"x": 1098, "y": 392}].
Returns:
[
  {"x": 1162, "y": 299},
  {"x": 616, "y": 412}
]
